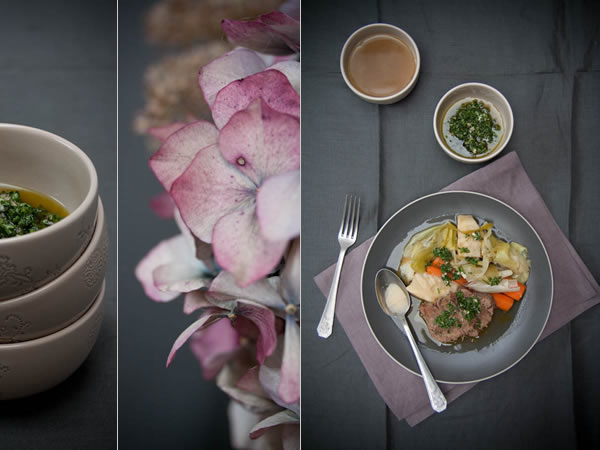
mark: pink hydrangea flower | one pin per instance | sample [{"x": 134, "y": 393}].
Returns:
[{"x": 236, "y": 184}]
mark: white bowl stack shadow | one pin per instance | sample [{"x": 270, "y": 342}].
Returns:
[{"x": 51, "y": 281}]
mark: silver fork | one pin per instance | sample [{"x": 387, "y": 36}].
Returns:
[{"x": 346, "y": 238}]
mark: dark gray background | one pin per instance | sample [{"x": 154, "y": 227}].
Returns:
[
  {"x": 544, "y": 57},
  {"x": 58, "y": 72},
  {"x": 158, "y": 407}
]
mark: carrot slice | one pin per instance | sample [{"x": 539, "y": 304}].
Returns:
[
  {"x": 437, "y": 262},
  {"x": 503, "y": 302},
  {"x": 461, "y": 281},
  {"x": 433, "y": 270},
  {"x": 516, "y": 295}
]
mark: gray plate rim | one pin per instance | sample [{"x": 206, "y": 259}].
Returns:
[{"x": 362, "y": 300}]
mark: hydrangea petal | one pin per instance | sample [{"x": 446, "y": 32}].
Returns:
[
  {"x": 262, "y": 291},
  {"x": 214, "y": 346},
  {"x": 174, "y": 156},
  {"x": 241, "y": 422},
  {"x": 271, "y": 85},
  {"x": 282, "y": 417},
  {"x": 289, "y": 385},
  {"x": 291, "y": 70},
  {"x": 287, "y": 26},
  {"x": 290, "y": 277},
  {"x": 251, "y": 383},
  {"x": 196, "y": 300},
  {"x": 164, "y": 254},
  {"x": 179, "y": 277},
  {"x": 278, "y": 206},
  {"x": 209, "y": 188},
  {"x": 231, "y": 66},
  {"x": 207, "y": 319},
  {"x": 163, "y": 206},
  {"x": 264, "y": 319},
  {"x": 162, "y": 133},
  {"x": 290, "y": 435},
  {"x": 275, "y": 33},
  {"x": 261, "y": 142},
  {"x": 227, "y": 381},
  {"x": 241, "y": 249},
  {"x": 291, "y": 8}
]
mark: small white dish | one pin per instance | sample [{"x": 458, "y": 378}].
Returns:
[
  {"x": 27, "y": 368},
  {"x": 380, "y": 29},
  {"x": 44, "y": 162},
  {"x": 63, "y": 300},
  {"x": 477, "y": 91}
]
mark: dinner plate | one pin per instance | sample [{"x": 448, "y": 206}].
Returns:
[{"x": 509, "y": 336}]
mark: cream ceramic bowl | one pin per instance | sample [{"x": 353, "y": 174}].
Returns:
[
  {"x": 487, "y": 94},
  {"x": 62, "y": 301},
  {"x": 27, "y": 368},
  {"x": 43, "y": 162},
  {"x": 371, "y": 30}
]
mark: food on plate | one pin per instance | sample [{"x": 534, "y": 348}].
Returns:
[
  {"x": 23, "y": 211},
  {"x": 457, "y": 315},
  {"x": 450, "y": 266},
  {"x": 472, "y": 127}
]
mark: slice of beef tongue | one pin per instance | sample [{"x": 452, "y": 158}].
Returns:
[{"x": 429, "y": 311}]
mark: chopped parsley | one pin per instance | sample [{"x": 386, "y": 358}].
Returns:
[
  {"x": 477, "y": 236},
  {"x": 443, "y": 252},
  {"x": 447, "y": 319},
  {"x": 464, "y": 250},
  {"x": 18, "y": 218},
  {"x": 473, "y": 261},
  {"x": 474, "y": 126},
  {"x": 493, "y": 281},
  {"x": 470, "y": 306},
  {"x": 448, "y": 273}
]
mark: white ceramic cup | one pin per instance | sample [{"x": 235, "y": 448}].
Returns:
[
  {"x": 43, "y": 162},
  {"x": 27, "y": 368},
  {"x": 63, "y": 300},
  {"x": 378, "y": 29}
]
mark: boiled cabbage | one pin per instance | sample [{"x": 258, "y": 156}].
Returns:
[{"x": 419, "y": 250}]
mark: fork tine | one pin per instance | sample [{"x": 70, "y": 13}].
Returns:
[
  {"x": 350, "y": 217},
  {"x": 344, "y": 216},
  {"x": 355, "y": 226},
  {"x": 351, "y": 221}
]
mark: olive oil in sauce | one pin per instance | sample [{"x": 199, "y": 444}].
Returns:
[
  {"x": 23, "y": 211},
  {"x": 380, "y": 65},
  {"x": 37, "y": 199}
]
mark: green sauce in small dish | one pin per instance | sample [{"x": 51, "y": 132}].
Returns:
[
  {"x": 18, "y": 217},
  {"x": 472, "y": 128}
]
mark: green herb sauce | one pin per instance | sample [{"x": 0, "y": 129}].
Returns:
[
  {"x": 18, "y": 218},
  {"x": 493, "y": 281},
  {"x": 470, "y": 306},
  {"x": 447, "y": 319},
  {"x": 442, "y": 252},
  {"x": 472, "y": 127},
  {"x": 473, "y": 261}
]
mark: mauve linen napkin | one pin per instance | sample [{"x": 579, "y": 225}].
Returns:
[{"x": 575, "y": 289}]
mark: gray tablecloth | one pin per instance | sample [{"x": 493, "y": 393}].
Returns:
[
  {"x": 544, "y": 58},
  {"x": 58, "y": 72}
]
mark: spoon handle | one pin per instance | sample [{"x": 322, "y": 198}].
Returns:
[{"x": 436, "y": 396}]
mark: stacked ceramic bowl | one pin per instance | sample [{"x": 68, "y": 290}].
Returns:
[{"x": 52, "y": 280}]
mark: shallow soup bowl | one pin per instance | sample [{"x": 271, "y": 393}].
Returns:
[{"x": 46, "y": 163}]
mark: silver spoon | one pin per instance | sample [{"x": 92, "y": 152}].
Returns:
[{"x": 383, "y": 279}]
